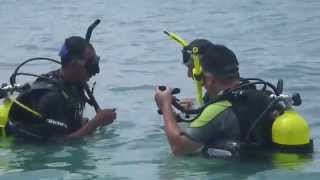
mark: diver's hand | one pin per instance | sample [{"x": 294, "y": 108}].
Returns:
[
  {"x": 163, "y": 98},
  {"x": 187, "y": 103},
  {"x": 104, "y": 117}
]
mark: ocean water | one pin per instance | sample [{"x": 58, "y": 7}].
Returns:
[{"x": 272, "y": 39}]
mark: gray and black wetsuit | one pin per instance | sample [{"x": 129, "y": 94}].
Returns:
[{"x": 217, "y": 129}]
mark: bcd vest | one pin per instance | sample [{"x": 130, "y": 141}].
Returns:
[{"x": 27, "y": 122}]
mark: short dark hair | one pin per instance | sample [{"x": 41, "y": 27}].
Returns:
[
  {"x": 220, "y": 61},
  {"x": 201, "y": 44},
  {"x": 73, "y": 49}
]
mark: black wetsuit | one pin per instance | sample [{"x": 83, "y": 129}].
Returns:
[{"x": 57, "y": 101}]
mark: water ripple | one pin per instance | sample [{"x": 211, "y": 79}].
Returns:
[
  {"x": 272, "y": 39},
  {"x": 133, "y": 88}
]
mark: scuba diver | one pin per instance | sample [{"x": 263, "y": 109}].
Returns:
[
  {"x": 239, "y": 115},
  {"x": 60, "y": 98},
  {"x": 51, "y": 108}
]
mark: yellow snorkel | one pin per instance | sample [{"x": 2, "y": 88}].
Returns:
[
  {"x": 177, "y": 38},
  {"x": 196, "y": 71}
]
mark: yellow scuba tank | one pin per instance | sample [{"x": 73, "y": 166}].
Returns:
[
  {"x": 8, "y": 99},
  {"x": 5, "y": 106},
  {"x": 291, "y": 132},
  {"x": 4, "y": 113},
  {"x": 290, "y": 128}
]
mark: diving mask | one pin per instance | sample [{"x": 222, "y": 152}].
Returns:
[{"x": 93, "y": 67}]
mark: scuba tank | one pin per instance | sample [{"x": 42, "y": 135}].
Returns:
[
  {"x": 291, "y": 133},
  {"x": 8, "y": 99},
  {"x": 4, "y": 109},
  {"x": 290, "y": 128}
]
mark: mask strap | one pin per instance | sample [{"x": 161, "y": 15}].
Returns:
[
  {"x": 64, "y": 50},
  {"x": 196, "y": 73}
]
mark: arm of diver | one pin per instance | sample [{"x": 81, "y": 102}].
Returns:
[
  {"x": 103, "y": 117},
  {"x": 86, "y": 129},
  {"x": 179, "y": 143}
]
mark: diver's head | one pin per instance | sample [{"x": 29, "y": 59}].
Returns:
[
  {"x": 220, "y": 69},
  {"x": 201, "y": 44},
  {"x": 79, "y": 60}
]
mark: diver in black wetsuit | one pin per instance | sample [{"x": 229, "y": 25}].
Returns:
[{"x": 57, "y": 99}]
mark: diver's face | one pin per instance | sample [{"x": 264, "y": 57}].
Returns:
[
  {"x": 187, "y": 61},
  {"x": 89, "y": 57},
  {"x": 79, "y": 69}
]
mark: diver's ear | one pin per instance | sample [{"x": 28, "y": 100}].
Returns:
[{"x": 211, "y": 80}]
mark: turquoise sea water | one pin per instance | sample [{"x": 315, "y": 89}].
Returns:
[{"x": 272, "y": 39}]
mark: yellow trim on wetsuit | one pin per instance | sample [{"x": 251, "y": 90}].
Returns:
[{"x": 209, "y": 113}]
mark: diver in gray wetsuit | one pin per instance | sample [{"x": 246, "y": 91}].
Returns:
[{"x": 237, "y": 115}]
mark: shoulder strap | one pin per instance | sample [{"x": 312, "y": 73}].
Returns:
[{"x": 209, "y": 113}]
